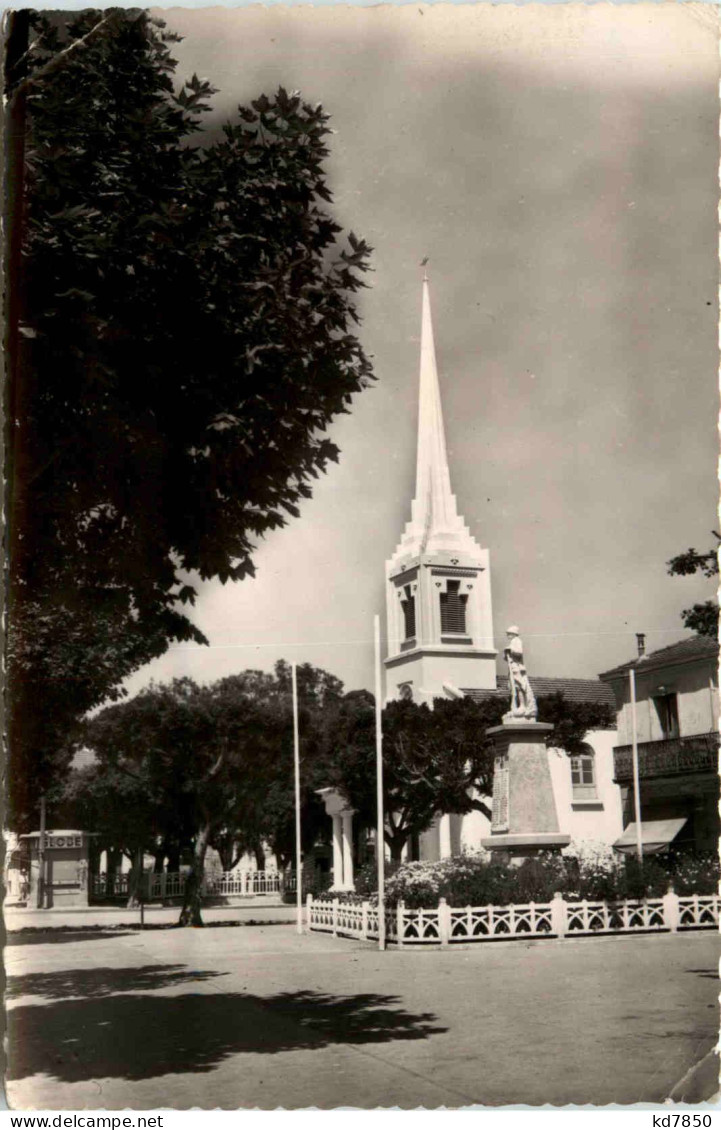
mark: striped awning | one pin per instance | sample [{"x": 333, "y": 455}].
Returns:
[{"x": 655, "y": 835}]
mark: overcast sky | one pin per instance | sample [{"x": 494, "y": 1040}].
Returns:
[{"x": 559, "y": 167}]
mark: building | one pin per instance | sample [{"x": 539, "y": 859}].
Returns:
[
  {"x": 677, "y": 733},
  {"x": 441, "y": 643}
]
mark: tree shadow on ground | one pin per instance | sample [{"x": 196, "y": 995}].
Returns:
[
  {"x": 47, "y": 936},
  {"x": 133, "y": 1036},
  {"x": 712, "y": 973},
  {"x": 101, "y": 982}
]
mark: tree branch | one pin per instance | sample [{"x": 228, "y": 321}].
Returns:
[
  {"x": 479, "y": 806},
  {"x": 59, "y": 59}
]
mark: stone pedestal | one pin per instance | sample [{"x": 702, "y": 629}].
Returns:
[{"x": 524, "y": 818}]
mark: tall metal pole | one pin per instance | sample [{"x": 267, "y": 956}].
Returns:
[
  {"x": 634, "y": 758},
  {"x": 296, "y": 764},
  {"x": 41, "y": 856},
  {"x": 380, "y": 826}
]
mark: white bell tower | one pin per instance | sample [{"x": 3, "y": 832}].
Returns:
[{"x": 438, "y": 583}]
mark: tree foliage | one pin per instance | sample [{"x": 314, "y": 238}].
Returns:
[
  {"x": 185, "y": 335},
  {"x": 437, "y": 760},
  {"x": 214, "y": 766},
  {"x": 703, "y": 616}
]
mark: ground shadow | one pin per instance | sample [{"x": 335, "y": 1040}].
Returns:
[
  {"x": 133, "y": 1036},
  {"x": 46, "y": 936},
  {"x": 712, "y": 973},
  {"x": 101, "y": 982}
]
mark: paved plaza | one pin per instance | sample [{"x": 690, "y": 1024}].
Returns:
[{"x": 258, "y": 1016}]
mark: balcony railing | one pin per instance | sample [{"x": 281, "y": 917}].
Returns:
[{"x": 669, "y": 757}]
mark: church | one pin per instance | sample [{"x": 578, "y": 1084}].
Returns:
[{"x": 441, "y": 644}]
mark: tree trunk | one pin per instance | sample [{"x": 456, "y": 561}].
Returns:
[
  {"x": 173, "y": 860},
  {"x": 112, "y": 857},
  {"x": 226, "y": 851},
  {"x": 396, "y": 844},
  {"x": 259, "y": 856},
  {"x": 159, "y": 859},
  {"x": 135, "y": 879},
  {"x": 192, "y": 898}
]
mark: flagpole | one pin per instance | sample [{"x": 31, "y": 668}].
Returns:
[
  {"x": 634, "y": 758},
  {"x": 296, "y": 767},
  {"x": 380, "y": 838}
]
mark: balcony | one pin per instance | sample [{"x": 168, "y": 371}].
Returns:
[{"x": 669, "y": 757}]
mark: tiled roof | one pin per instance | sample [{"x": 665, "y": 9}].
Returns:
[
  {"x": 574, "y": 690},
  {"x": 696, "y": 647}
]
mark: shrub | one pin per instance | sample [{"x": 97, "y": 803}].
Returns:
[
  {"x": 697, "y": 874},
  {"x": 366, "y": 878},
  {"x": 415, "y": 884},
  {"x": 636, "y": 881},
  {"x": 584, "y": 870}
]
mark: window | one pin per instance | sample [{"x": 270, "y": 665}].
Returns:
[
  {"x": 409, "y": 613},
  {"x": 583, "y": 775},
  {"x": 667, "y": 710},
  {"x": 453, "y": 609}
]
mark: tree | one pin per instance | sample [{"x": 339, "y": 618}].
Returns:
[
  {"x": 201, "y": 749},
  {"x": 701, "y": 617},
  {"x": 268, "y": 818},
  {"x": 215, "y": 763},
  {"x": 437, "y": 760},
  {"x": 433, "y": 760},
  {"x": 182, "y": 339}
]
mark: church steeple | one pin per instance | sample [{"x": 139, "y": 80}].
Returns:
[
  {"x": 434, "y": 514},
  {"x": 438, "y": 581}
]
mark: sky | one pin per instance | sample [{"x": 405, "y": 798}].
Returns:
[{"x": 558, "y": 166}]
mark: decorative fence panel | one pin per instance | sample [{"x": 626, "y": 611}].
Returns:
[
  {"x": 165, "y": 885},
  {"x": 110, "y": 886},
  {"x": 615, "y": 918},
  {"x": 697, "y": 911},
  {"x": 445, "y": 925},
  {"x": 477, "y": 923},
  {"x": 248, "y": 883}
]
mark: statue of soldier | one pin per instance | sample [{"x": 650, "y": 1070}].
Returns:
[{"x": 523, "y": 701}]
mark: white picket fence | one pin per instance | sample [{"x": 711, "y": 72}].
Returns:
[
  {"x": 245, "y": 884},
  {"x": 171, "y": 884},
  {"x": 445, "y": 925}
]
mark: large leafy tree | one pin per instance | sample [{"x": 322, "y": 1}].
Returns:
[
  {"x": 433, "y": 760},
  {"x": 214, "y": 765},
  {"x": 182, "y": 338},
  {"x": 437, "y": 760},
  {"x": 703, "y": 616},
  {"x": 204, "y": 751}
]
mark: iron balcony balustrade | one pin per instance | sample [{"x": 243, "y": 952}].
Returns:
[{"x": 668, "y": 757}]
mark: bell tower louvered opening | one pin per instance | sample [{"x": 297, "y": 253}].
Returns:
[
  {"x": 453, "y": 609},
  {"x": 409, "y": 613}
]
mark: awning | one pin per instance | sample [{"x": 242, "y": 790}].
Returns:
[{"x": 655, "y": 835}]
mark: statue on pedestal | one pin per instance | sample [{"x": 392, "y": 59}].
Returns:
[{"x": 523, "y": 701}]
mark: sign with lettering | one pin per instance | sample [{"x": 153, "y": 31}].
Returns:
[
  {"x": 57, "y": 842},
  {"x": 499, "y": 807}
]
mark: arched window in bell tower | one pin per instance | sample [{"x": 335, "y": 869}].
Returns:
[
  {"x": 453, "y": 608},
  {"x": 408, "y": 604}
]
